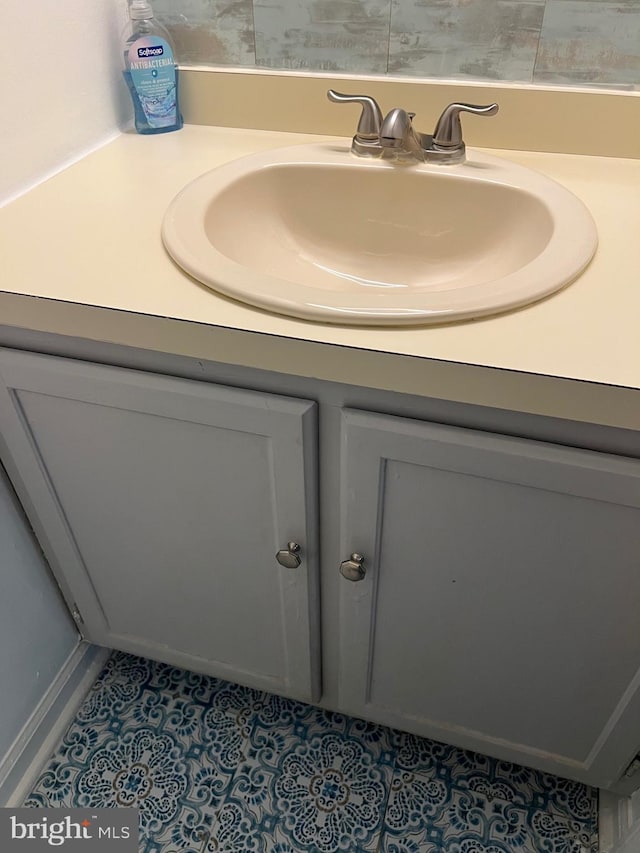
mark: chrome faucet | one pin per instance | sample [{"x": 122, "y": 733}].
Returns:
[
  {"x": 395, "y": 135},
  {"x": 366, "y": 142},
  {"x": 398, "y": 137}
]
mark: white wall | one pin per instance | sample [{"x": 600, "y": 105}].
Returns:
[
  {"x": 36, "y": 632},
  {"x": 61, "y": 95},
  {"x": 61, "y": 90}
]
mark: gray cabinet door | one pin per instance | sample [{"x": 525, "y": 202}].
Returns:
[
  {"x": 500, "y": 610},
  {"x": 161, "y": 504}
]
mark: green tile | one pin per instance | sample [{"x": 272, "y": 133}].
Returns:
[
  {"x": 590, "y": 43},
  {"x": 210, "y": 32},
  {"x": 323, "y": 35},
  {"x": 483, "y": 40},
  {"x": 579, "y": 42}
]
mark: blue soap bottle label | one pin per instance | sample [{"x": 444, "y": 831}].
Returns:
[{"x": 153, "y": 75}]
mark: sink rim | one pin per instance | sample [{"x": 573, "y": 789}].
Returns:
[{"x": 568, "y": 252}]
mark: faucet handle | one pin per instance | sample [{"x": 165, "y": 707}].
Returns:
[
  {"x": 368, "y": 131},
  {"x": 448, "y": 132}
]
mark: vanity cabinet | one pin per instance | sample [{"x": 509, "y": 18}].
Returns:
[
  {"x": 161, "y": 504},
  {"x": 500, "y": 605},
  {"x": 496, "y": 607}
]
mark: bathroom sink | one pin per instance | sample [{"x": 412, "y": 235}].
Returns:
[{"x": 313, "y": 232}]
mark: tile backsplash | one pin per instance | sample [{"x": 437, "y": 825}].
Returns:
[{"x": 568, "y": 42}]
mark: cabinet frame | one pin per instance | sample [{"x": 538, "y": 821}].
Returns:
[{"x": 332, "y": 399}]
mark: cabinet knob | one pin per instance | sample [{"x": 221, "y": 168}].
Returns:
[
  {"x": 288, "y": 557},
  {"x": 353, "y": 569}
]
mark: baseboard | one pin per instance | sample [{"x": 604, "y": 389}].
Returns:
[
  {"x": 631, "y": 843},
  {"x": 610, "y": 808},
  {"x": 619, "y": 823},
  {"x": 23, "y": 762}
]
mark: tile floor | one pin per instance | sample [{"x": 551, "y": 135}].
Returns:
[{"x": 218, "y": 767}]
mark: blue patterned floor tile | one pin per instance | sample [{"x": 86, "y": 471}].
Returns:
[
  {"x": 279, "y": 721},
  {"x": 315, "y": 791},
  {"x": 156, "y": 737},
  {"x": 219, "y": 768},
  {"x": 494, "y": 779},
  {"x": 118, "y": 687},
  {"x": 173, "y": 681},
  {"x": 427, "y": 813},
  {"x": 551, "y": 833}
]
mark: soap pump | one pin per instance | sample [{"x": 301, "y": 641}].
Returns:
[{"x": 150, "y": 71}]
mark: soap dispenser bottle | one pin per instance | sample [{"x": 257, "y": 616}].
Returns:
[{"x": 150, "y": 71}]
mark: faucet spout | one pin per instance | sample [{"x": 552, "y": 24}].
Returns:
[{"x": 397, "y": 135}]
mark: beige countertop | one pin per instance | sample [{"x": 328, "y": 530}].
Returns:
[{"x": 82, "y": 256}]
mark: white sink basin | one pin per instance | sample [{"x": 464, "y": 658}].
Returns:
[{"x": 314, "y": 232}]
